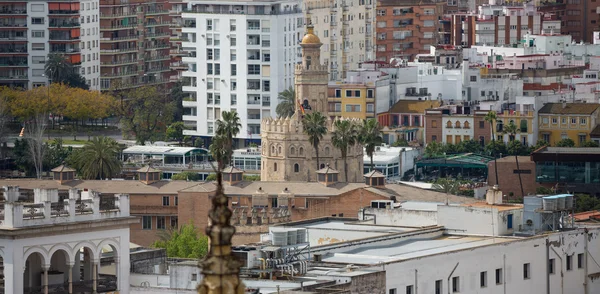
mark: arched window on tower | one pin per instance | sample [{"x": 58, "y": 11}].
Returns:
[
  {"x": 292, "y": 151},
  {"x": 308, "y": 61},
  {"x": 296, "y": 168},
  {"x": 275, "y": 166},
  {"x": 301, "y": 151}
]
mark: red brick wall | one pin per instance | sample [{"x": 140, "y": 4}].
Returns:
[
  {"x": 478, "y": 131},
  {"x": 150, "y": 205},
  {"x": 509, "y": 181}
]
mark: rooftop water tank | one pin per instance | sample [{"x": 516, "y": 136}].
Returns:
[
  {"x": 569, "y": 199},
  {"x": 560, "y": 202},
  {"x": 549, "y": 203}
]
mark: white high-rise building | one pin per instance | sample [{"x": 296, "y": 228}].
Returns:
[
  {"x": 241, "y": 56},
  {"x": 90, "y": 43}
]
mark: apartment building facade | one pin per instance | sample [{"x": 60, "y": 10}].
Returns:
[
  {"x": 407, "y": 28},
  {"x": 134, "y": 43},
  {"x": 500, "y": 25},
  {"x": 347, "y": 30},
  {"x": 455, "y": 123},
  {"x": 580, "y": 19},
  {"x": 241, "y": 56},
  {"x": 29, "y": 31},
  {"x": 573, "y": 121}
]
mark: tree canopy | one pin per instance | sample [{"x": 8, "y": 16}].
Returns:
[
  {"x": 287, "y": 103},
  {"x": 145, "y": 113},
  {"x": 98, "y": 159},
  {"x": 185, "y": 242},
  {"x": 565, "y": 143}
]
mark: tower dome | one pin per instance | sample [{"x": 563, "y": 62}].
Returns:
[{"x": 310, "y": 37}]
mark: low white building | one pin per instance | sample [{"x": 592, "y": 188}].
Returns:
[
  {"x": 50, "y": 244},
  {"x": 392, "y": 162}
]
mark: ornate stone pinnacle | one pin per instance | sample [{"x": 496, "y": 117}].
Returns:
[{"x": 220, "y": 268}]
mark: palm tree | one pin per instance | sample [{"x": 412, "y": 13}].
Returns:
[
  {"x": 313, "y": 125},
  {"x": 218, "y": 150},
  {"x": 511, "y": 130},
  {"x": 370, "y": 137},
  {"x": 57, "y": 68},
  {"x": 229, "y": 126},
  {"x": 98, "y": 159},
  {"x": 343, "y": 137},
  {"x": 491, "y": 118},
  {"x": 287, "y": 103},
  {"x": 446, "y": 185}
]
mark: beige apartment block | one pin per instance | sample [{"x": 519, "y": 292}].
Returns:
[{"x": 346, "y": 29}]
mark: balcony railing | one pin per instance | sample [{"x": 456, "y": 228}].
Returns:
[
  {"x": 65, "y": 50},
  {"x": 13, "y": 50},
  {"x": 123, "y": 38},
  {"x": 117, "y": 26},
  {"x": 227, "y": 10},
  {"x": 20, "y": 214},
  {"x": 159, "y": 46},
  {"x": 13, "y": 25},
  {"x": 6, "y": 10},
  {"x": 72, "y": 24},
  {"x": 63, "y": 12},
  {"x": 156, "y": 35},
  {"x": 13, "y": 77},
  {"x": 116, "y": 15},
  {"x": 108, "y": 51},
  {"x": 158, "y": 23}
]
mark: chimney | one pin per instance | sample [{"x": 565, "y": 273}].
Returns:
[
  {"x": 148, "y": 175},
  {"x": 374, "y": 179},
  {"x": 232, "y": 175},
  {"x": 260, "y": 198},
  {"x": 63, "y": 174},
  {"x": 285, "y": 199},
  {"x": 327, "y": 176},
  {"x": 564, "y": 104}
]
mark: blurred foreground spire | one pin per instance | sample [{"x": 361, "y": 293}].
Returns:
[{"x": 220, "y": 269}]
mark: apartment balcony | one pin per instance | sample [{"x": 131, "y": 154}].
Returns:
[
  {"x": 157, "y": 12},
  {"x": 115, "y": 27},
  {"x": 13, "y": 23},
  {"x": 13, "y": 76},
  {"x": 13, "y": 62},
  {"x": 63, "y": 12},
  {"x": 117, "y": 15},
  {"x": 113, "y": 75},
  {"x": 157, "y": 58},
  {"x": 158, "y": 35},
  {"x": 62, "y": 36},
  {"x": 63, "y": 24},
  {"x": 157, "y": 24},
  {"x": 177, "y": 52},
  {"x": 118, "y": 51},
  {"x": 118, "y": 62},
  {"x": 156, "y": 47},
  {"x": 178, "y": 65},
  {"x": 10, "y": 36},
  {"x": 226, "y": 9},
  {"x": 134, "y": 84},
  {"x": 65, "y": 49},
  {"x": 158, "y": 69},
  {"x": 19, "y": 10},
  {"x": 119, "y": 39},
  {"x": 178, "y": 39},
  {"x": 12, "y": 49}
]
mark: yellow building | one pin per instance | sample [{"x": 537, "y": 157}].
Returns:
[
  {"x": 576, "y": 121},
  {"x": 352, "y": 100},
  {"x": 523, "y": 120}
]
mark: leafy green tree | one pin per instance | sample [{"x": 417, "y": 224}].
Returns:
[
  {"x": 491, "y": 117},
  {"x": 185, "y": 242},
  {"x": 514, "y": 147},
  {"x": 585, "y": 202},
  {"x": 175, "y": 132},
  {"x": 22, "y": 157},
  {"x": 496, "y": 146},
  {"x": 186, "y": 176},
  {"x": 370, "y": 137},
  {"x": 446, "y": 185},
  {"x": 450, "y": 148},
  {"x": 287, "y": 103},
  {"x": 539, "y": 144},
  {"x": 228, "y": 127},
  {"x": 56, "y": 154},
  {"x": 565, "y": 143},
  {"x": 145, "y": 113},
  {"x": 313, "y": 125},
  {"x": 434, "y": 149},
  {"x": 177, "y": 95},
  {"x": 543, "y": 191},
  {"x": 343, "y": 137},
  {"x": 98, "y": 159},
  {"x": 469, "y": 146},
  {"x": 211, "y": 177},
  {"x": 589, "y": 144}
]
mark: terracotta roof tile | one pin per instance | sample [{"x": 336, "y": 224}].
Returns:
[
  {"x": 571, "y": 108},
  {"x": 412, "y": 106}
]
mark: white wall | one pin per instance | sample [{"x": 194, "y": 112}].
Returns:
[
  {"x": 510, "y": 257},
  {"x": 90, "y": 32},
  {"x": 480, "y": 221},
  {"x": 15, "y": 252},
  {"x": 401, "y": 217}
]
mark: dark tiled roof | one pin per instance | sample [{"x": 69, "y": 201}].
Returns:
[
  {"x": 412, "y": 106},
  {"x": 62, "y": 168},
  {"x": 570, "y": 108}
]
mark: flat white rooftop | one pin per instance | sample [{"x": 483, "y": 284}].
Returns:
[
  {"x": 374, "y": 253},
  {"x": 345, "y": 226}
]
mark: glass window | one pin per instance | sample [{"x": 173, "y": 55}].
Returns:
[
  {"x": 146, "y": 222},
  {"x": 165, "y": 200},
  {"x": 160, "y": 223}
]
